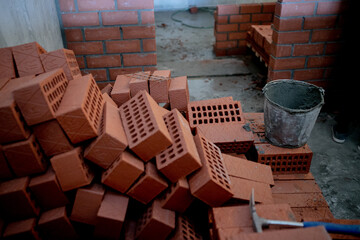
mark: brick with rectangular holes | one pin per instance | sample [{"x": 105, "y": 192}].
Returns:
[
  {"x": 123, "y": 172},
  {"x": 211, "y": 184},
  {"x": 177, "y": 197},
  {"x": 79, "y": 113},
  {"x": 39, "y": 99},
  {"x": 16, "y": 201},
  {"x": 181, "y": 158},
  {"x": 27, "y": 58},
  {"x": 144, "y": 126},
  {"x": 185, "y": 229},
  {"x": 139, "y": 81},
  {"x": 61, "y": 58},
  {"x": 25, "y": 157},
  {"x": 120, "y": 92},
  {"x": 155, "y": 223},
  {"x": 159, "y": 82},
  {"x": 71, "y": 170},
  {"x": 148, "y": 186},
  {"x": 179, "y": 93},
  {"x": 111, "y": 141}
]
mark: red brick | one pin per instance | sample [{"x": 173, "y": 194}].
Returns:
[
  {"x": 87, "y": 203},
  {"x": 80, "y": 19},
  {"x": 334, "y": 7},
  {"x": 250, "y": 8},
  {"x": 81, "y": 48},
  {"x": 97, "y": 5},
  {"x": 79, "y": 113},
  {"x": 103, "y": 61},
  {"x": 55, "y": 224},
  {"x": 108, "y": 99},
  {"x": 182, "y": 158},
  {"x": 290, "y": 24},
  {"x": 27, "y": 58},
  {"x": 227, "y": 9},
  {"x": 131, "y": 32},
  {"x": 211, "y": 184},
  {"x": 159, "y": 82},
  {"x": 7, "y": 69},
  {"x": 107, "y": 89},
  {"x": 61, "y": 58},
  {"x": 25, "y": 157},
  {"x": 124, "y": 46},
  {"x": 47, "y": 191},
  {"x": 179, "y": 93},
  {"x": 281, "y": 50},
  {"x": 221, "y": 37},
  {"x": 108, "y": 33},
  {"x": 114, "y": 72},
  {"x": 81, "y": 62},
  {"x": 268, "y": 7},
  {"x": 5, "y": 171},
  {"x": 149, "y": 45},
  {"x": 320, "y": 22},
  {"x": 24, "y": 229},
  {"x": 245, "y": 26},
  {"x": 71, "y": 170},
  {"x": 326, "y": 35},
  {"x": 185, "y": 229},
  {"x": 111, "y": 141},
  {"x": 295, "y": 9},
  {"x": 242, "y": 190},
  {"x": 155, "y": 223},
  {"x": 178, "y": 197},
  {"x": 295, "y": 186},
  {"x": 240, "y": 18},
  {"x": 121, "y": 90},
  {"x": 111, "y": 216},
  {"x": 119, "y": 18},
  {"x": 321, "y": 61},
  {"x": 140, "y": 4},
  {"x": 139, "y": 81},
  {"x": 287, "y": 63},
  {"x": 308, "y": 49},
  {"x": 15, "y": 201},
  {"x": 123, "y": 172},
  {"x": 139, "y": 59},
  {"x": 144, "y": 126},
  {"x": 273, "y": 75},
  {"x": 262, "y": 17},
  {"x": 226, "y": 27},
  {"x": 221, "y": 19},
  {"x": 67, "y": 5},
  {"x": 98, "y": 74},
  {"x": 291, "y": 37},
  {"x": 148, "y": 186},
  {"x": 147, "y": 17},
  {"x": 73, "y": 35}
]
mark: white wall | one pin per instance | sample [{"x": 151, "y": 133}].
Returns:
[
  {"x": 23, "y": 21},
  {"x": 162, "y": 5}
]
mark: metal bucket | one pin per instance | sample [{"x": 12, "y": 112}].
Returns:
[{"x": 290, "y": 111}]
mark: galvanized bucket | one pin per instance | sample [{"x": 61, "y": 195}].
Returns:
[{"x": 290, "y": 111}]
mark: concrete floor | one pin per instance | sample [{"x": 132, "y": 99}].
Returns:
[{"x": 188, "y": 51}]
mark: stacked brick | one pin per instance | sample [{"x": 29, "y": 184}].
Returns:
[
  {"x": 110, "y": 37},
  {"x": 259, "y": 39},
  {"x": 232, "y": 23}
]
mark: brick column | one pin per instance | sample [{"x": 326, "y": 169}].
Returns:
[
  {"x": 306, "y": 38},
  {"x": 110, "y": 37}
]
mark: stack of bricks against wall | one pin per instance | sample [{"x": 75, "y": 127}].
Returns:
[{"x": 112, "y": 38}]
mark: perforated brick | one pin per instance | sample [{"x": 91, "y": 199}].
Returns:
[
  {"x": 71, "y": 170},
  {"x": 111, "y": 141},
  {"x": 55, "y": 224},
  {"x": 61, "y": 58},
  {"x": 7, "y": 69},
  {"x": 177, "y": 197},
  {"x": 111, "y": 216},
  {"x": 24, "y": 229},
  {"x": 139, "y": 81},
  {"x": 179, "y": 96},
  {"x": 79, "y": 113},
  {"x": 5, "y": 170},
  {"x": 284, "y": 160},
  {"x": 16, "y": 201},
  {"x": 12, "y": 124},
  {"x": 155, "y": 223},
  {"x": 211, "y": 184},
  {"x": 120, "y": 93},
  {"x": 47, "y": 191},
  {"x": 87, "y": 203},
  {"x": 27, "y": 58},
  {"x": 39, "y": 99},
  {"x": 184, "y": 230},
  {"x": 25, "y": 157},
  {"x": 52, "y": 138},
  {"x": 181, "y": 158},
  {"x": 159, "y": 82},
  {"x": 144, "y": 126},
  {"x": 123, "y": 172},
  {"x": 148, "y": 186}
]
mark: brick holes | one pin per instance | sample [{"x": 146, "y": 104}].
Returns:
[
  {"x": 144, "y": 220},
  {"x": 287, "y": 163},
  {"x": 234, "y": 147},
  {"x": 54, "y": 90},
  {"x": 93, "y": 104},
  {"x": 187, "y": 230}
]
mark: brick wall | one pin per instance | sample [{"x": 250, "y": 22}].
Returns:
[
  {"x": 110, "y": 37},
  {"x": 306, "y": 39},
  {"x": 233, "y": 21}
]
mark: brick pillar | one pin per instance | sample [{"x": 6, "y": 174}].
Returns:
[
  {"x": 110, "y": 37},
  {"x": 306, "y": 38}
]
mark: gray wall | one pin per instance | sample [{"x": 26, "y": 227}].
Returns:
[
  {"x": 23, "y": 21},
  {"x": 161, "y": 5}
]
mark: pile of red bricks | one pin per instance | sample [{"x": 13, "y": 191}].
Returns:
[{"x": 259, "y": 39}]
